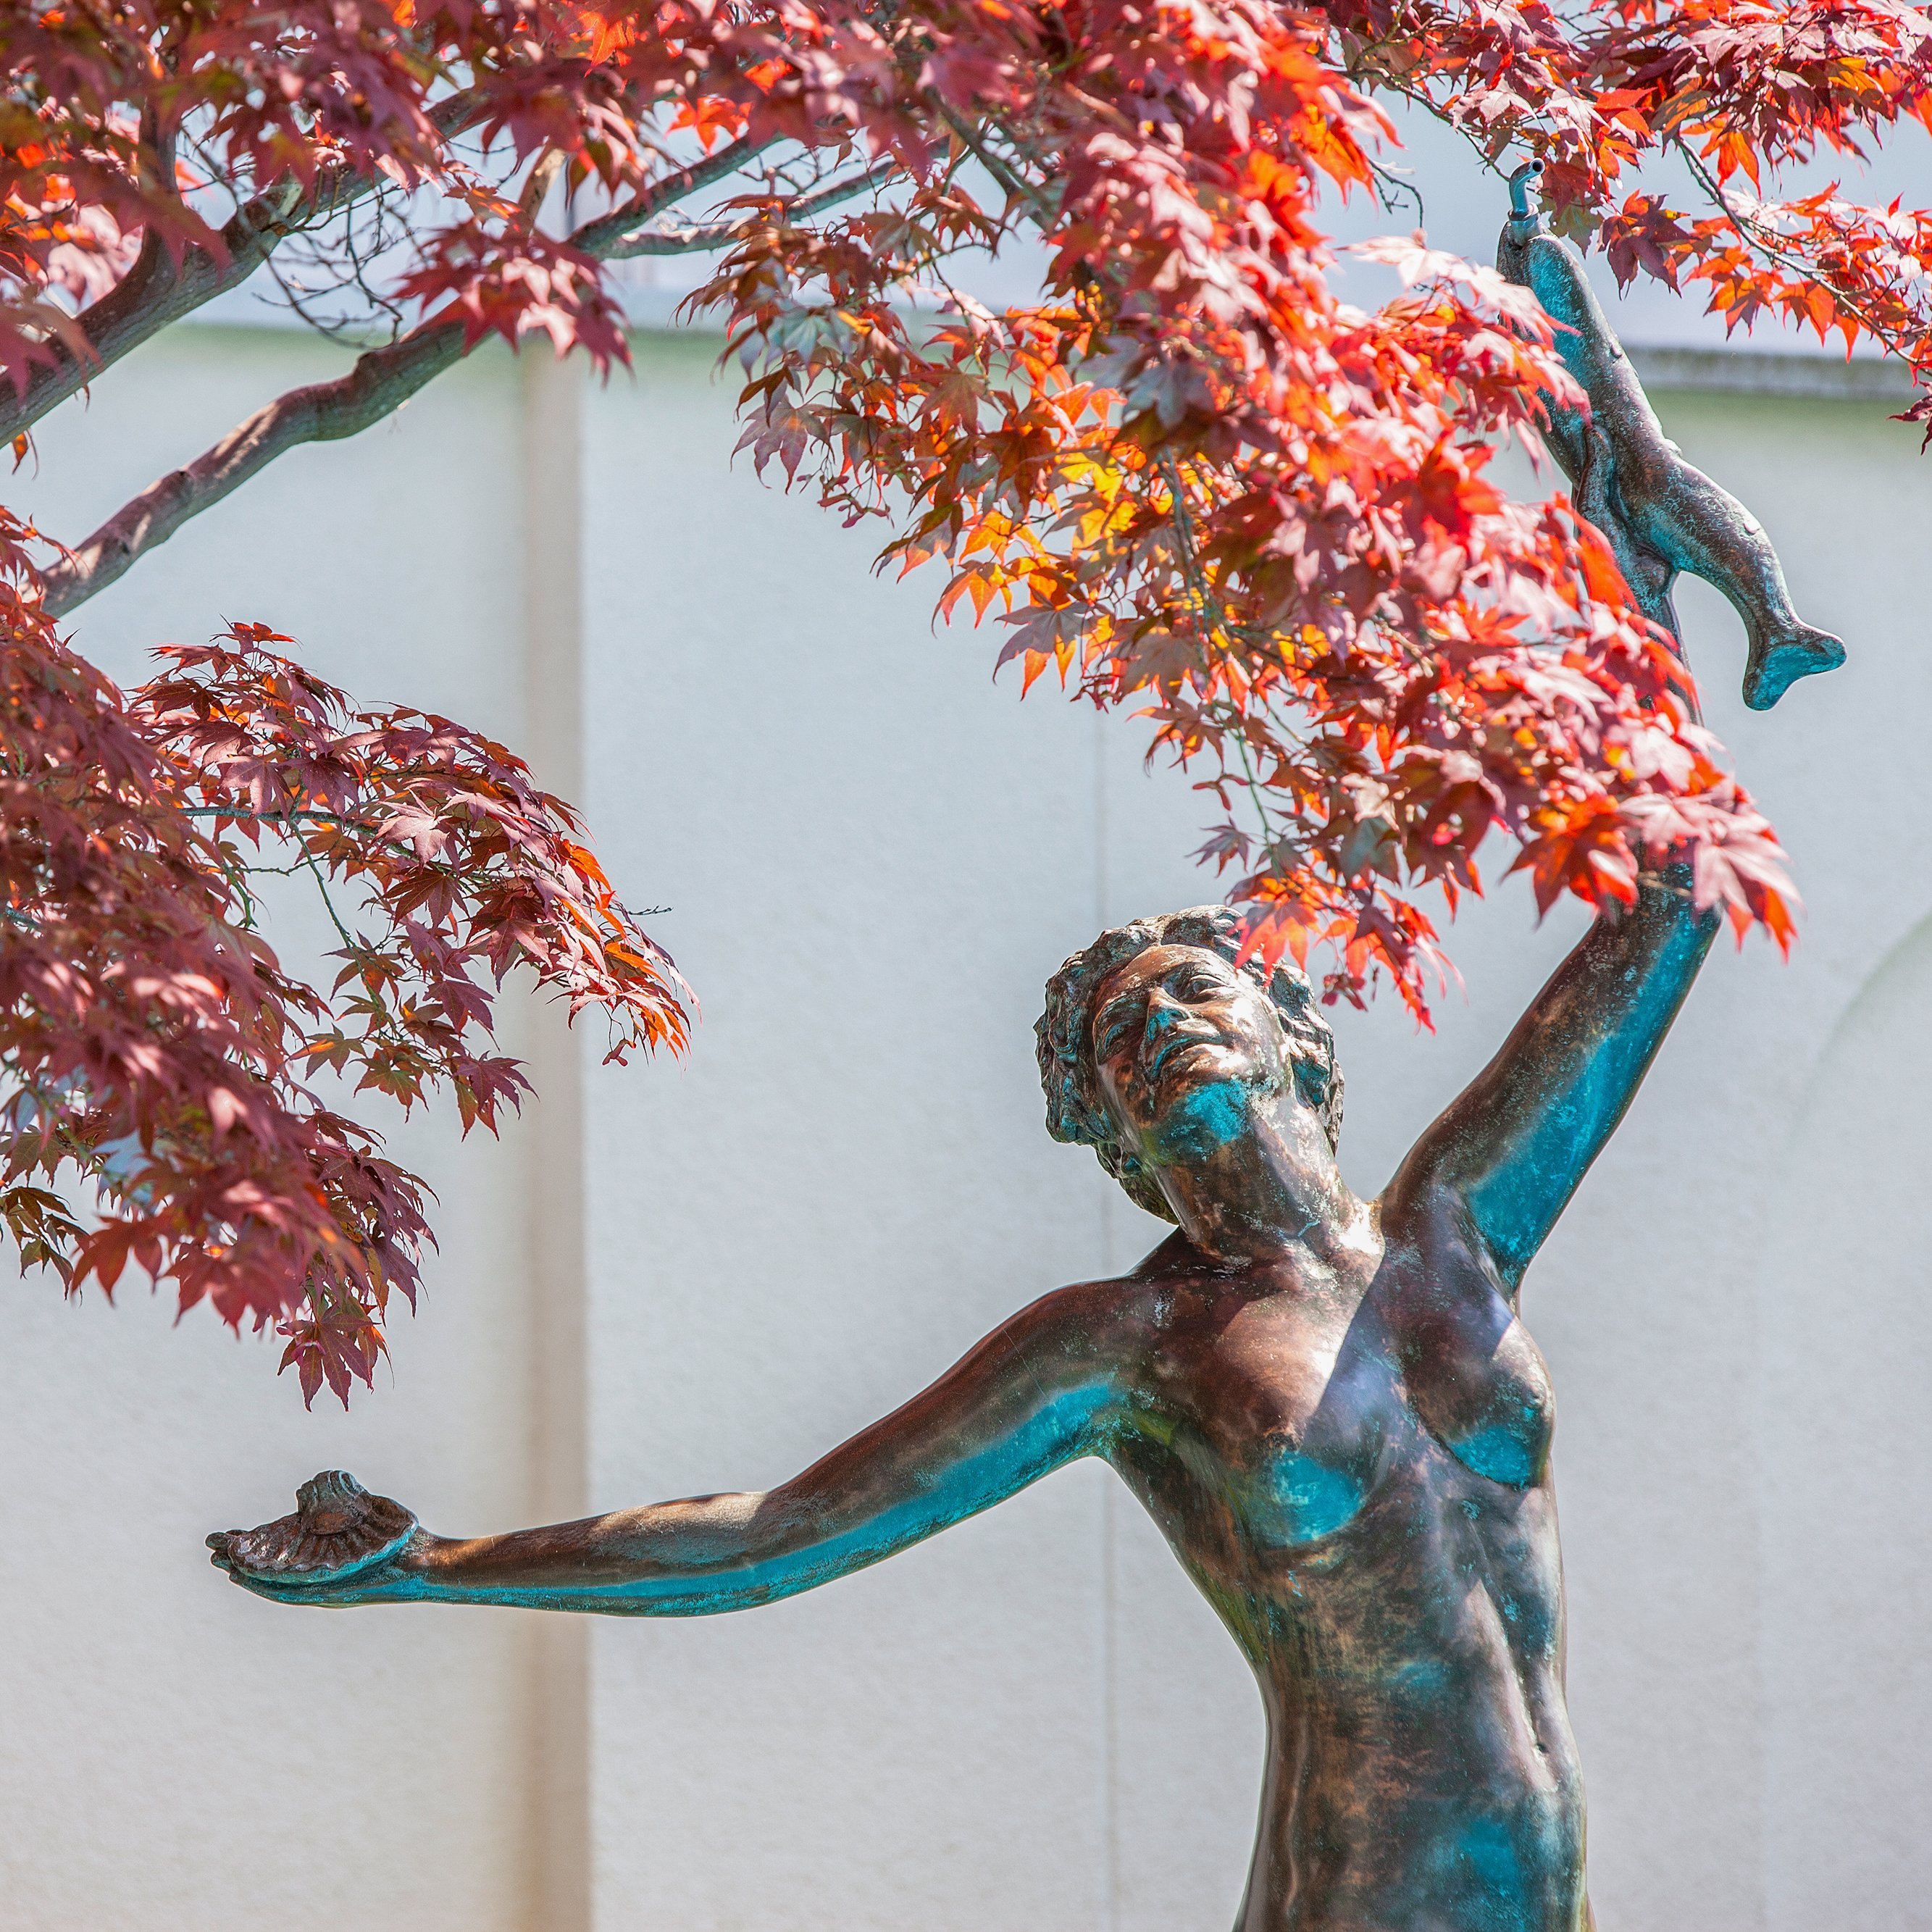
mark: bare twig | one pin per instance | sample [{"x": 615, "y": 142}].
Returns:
[
  {"x": 311, "y": 271},
  {"x": 1391, "y": 184},
  {"x": 156, "y": 292},
  {"x": 381, "y": 381}
]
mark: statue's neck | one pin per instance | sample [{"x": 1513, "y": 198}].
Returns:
[{"x": 1272, "y": 1193}]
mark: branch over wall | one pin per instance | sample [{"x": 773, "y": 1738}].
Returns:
[
  {"x": 157, "y": 291},
  {"x": 381, "y": 381}
]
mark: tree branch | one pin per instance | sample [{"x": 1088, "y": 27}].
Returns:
[
  {"x": 600, "y": 238},
  {"x": 722, "y": 234},
  {"x": 1017, "y": 188},
  {"x": 379, "y": 384},
  {"x": 156, "y": 292},
  {"x": 381, "y": 381}
]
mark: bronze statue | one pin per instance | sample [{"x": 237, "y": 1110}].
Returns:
[{"x": 1329, "y": 1405}]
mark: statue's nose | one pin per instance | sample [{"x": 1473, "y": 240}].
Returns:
[{"x": 1162, "y": 1010}]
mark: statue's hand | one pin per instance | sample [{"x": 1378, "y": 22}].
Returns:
[{"x": 341, "y": 1546}]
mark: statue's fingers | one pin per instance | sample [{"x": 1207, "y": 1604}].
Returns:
[
  {"x": 276, "y": 1589},
  {"x": 229, "y": 1550}
]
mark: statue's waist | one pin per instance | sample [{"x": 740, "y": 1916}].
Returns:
[
  {"x": 1348, "y": 1845},
  {"x": 1420, "y": 1692}
]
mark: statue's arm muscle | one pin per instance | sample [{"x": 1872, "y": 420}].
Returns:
[
  {"x": 1033, "y": 1395},
  {"x": 1512, "y": 1147}
]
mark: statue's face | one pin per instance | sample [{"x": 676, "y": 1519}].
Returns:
[{"x": 1184, "y": 1045}]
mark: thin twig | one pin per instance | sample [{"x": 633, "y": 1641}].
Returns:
[
  {"x": 1766, "y": 242},
  {"x": 156, "y": 292},
  {"x": 328, "y": 904},
  {"x": 1389, "y": 184},
  {"x": 381, "y": 381}
]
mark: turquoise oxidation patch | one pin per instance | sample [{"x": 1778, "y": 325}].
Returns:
[
  {"x": 1511, "y": 1448},
  {"x": 1484, "y": 1865},
  {"x": 1500, "y": 1453},
  {"x": 1310, "y": 1499},
  {"x": 1211, "y": 1118}
]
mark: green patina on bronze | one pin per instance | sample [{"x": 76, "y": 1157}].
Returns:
[{"x": 1328, "y": 1404}]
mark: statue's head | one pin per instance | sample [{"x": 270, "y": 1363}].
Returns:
[{"x": 1155, "y": 1044}]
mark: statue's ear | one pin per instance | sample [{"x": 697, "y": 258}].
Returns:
[
  {"x": 1311, "y": 1079},
  {"x": 1143, "y": 1190}
]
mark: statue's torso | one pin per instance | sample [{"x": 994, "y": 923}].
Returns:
[{"x": 1357, "y": 1479}]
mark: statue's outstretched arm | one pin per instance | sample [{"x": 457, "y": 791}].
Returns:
[
  {"x": 1035, "y": 1394},
  {"x": 1511, "y": 1149}
]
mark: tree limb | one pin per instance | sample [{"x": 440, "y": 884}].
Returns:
[
  {"x": 379, "y": 384},
  {"x": 157, "y": 291},
  {"x": 722, "y": 234},
  {"x": 381, "y": 381},
  {"x": 600, "y": 238},
  {"x": 1017, "y": 188}
]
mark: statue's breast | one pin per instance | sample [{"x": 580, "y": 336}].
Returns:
[
  {"x": 1295, "y": 1416},
  {"x": 1487, "y": 1398},
  {"x": 1299, "y": 1494}
]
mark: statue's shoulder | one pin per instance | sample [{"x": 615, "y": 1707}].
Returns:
[
  {"x": 1430, "y": 1238},
  {"x": 1117, "y": 1319}
]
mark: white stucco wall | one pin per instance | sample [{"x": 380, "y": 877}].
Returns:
[
  {"x": 874, "y": 856},
  {"x": 168, "y": 1760}
]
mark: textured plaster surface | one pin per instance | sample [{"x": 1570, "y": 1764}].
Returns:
[{"x": 873, "y": 855}]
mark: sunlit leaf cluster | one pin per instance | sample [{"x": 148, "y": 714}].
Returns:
[
  {"x": 166, "y": 1102},
  {"x": 1185, "y": 477}
]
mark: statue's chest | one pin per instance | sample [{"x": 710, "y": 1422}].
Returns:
[
  {"x": 1301, "y": 1413},
  {"x": 1299, "y": 1409},
  {"x": 1480, "y": 1386}
]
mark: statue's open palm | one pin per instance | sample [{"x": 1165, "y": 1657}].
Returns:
[{"x": 341, "y": 1546}]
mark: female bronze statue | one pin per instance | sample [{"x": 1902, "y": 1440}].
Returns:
[{"x": 1328, "y": 1404}]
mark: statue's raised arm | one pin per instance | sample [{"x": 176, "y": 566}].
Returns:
[
  {"x": 1515, "y": 1145},
  {"x": 1036, "y": 1393}
]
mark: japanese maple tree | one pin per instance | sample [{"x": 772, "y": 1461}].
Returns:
[{"x": 1187, "y": 478}]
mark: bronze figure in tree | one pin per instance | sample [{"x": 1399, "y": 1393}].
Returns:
[{"x": 1329, "y": 1406}]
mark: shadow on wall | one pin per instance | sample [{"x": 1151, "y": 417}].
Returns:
[{"x": 1845, "y": 1322}]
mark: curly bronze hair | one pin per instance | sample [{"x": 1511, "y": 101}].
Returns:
[{"x": 1075, "y": 1110}]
